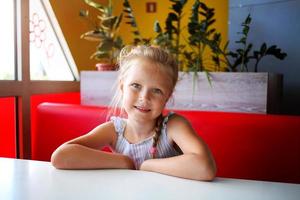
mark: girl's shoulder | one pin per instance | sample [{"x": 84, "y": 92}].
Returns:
[
  {"x": 176, "y": 123},
  {"x": 175, "y": 119},
  {"x": 98, "y": 137}
]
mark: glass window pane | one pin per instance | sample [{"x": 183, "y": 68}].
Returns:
[
  {"x": 7, "y": 47},
  {"x": 48, "y": 59}
]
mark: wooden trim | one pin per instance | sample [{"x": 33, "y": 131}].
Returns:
[
  {"x": 42, "y": 87},
  {"x": 10, "y": 88},
  {"x": 18, "y": 88},
  {"x": 24, "y": 133},
  {"x": 24, "y": 65}
]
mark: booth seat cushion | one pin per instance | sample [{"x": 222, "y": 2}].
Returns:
[
  {"x": 57, "y": 123},
  {"x": 249, "y": 146}
]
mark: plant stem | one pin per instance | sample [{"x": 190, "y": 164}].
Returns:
[
  {"x": 256, "y": 64},
  {"x": 200, "y": 53}
]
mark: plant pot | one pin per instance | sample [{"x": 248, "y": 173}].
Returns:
[
  {"x": 246, "y": 92},
  {"x": 105, "y": 67}
]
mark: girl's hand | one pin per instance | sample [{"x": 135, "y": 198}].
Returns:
[
  {"x": 146, "y": 165},
  {"x": 129, "y": 164},
  {"x": 142, "y": 166}
]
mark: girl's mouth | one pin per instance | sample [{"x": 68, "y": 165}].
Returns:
[{"x": 142, "y": 109}]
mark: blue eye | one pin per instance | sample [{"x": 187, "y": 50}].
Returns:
[
  {"x": 135, "y": 86},
  {"x": 157, "y": 91}
]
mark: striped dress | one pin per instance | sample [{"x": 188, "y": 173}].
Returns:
[{"x": 139, "y": 152}]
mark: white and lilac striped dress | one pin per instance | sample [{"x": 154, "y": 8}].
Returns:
[{"x": 139, "y": 152}]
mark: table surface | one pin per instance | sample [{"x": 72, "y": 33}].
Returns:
[{"x": 36, "y": 180}]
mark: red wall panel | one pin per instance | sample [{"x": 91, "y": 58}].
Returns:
[
  {"x": 7, "y": 127},
  {"x": 35, "y": 100},
  {"x": 7, "y": 117}
]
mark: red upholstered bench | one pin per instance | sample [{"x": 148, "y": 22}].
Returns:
[{"x": 249, "y": 146}]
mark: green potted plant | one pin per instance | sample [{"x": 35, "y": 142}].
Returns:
[
  {"x": 237, "y": 61},
  {"x": 216, "y": 89},
  {"x": 188, "y": 49},
  {"x": 202, "y": 36},
  {"x": 105, "y": 33},
  {"x": 170, "y": 38},
  {"x": 130, "y": 19}
]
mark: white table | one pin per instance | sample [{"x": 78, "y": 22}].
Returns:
[{"x": 35, "y": 180}]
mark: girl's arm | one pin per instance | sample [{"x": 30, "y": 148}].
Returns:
[
  {"x": 84, "y": 152},
  {"x": 196, "y": 162}
]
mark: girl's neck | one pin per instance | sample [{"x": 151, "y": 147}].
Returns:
[{"x": 136, "y": 131}]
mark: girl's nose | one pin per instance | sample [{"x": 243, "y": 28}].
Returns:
[{"x": 144, "y": 95}]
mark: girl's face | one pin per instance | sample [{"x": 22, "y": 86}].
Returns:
[{"x": 146, "y": 88}]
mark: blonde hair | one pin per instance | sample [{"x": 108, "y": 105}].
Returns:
[{"x": 155, "y": 54}]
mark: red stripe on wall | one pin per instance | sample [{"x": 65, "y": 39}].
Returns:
[{"x": 7, "y": 127}]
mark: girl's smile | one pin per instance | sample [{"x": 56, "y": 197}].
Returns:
[{"x": 142, "y": 109}]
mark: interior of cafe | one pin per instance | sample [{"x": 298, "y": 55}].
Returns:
[{"x": 238, "y": 89}]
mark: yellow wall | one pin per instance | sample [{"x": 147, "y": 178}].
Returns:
[
  {"x": 146, "y": 21},
  {"x": 73, "y": 26}
]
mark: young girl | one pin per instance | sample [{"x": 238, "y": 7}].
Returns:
[{"x": 141, "y": 137}]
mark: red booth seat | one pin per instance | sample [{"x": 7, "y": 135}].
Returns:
[{"x": 247, "y": 146}]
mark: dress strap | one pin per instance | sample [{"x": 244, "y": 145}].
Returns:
[{"x": 119, "y": 124}]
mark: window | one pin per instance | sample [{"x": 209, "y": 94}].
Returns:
[
  {"x": 7, "y": 41},
  {"x": 16, "y": 86},
  {"x": 50, "y": 58}
]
